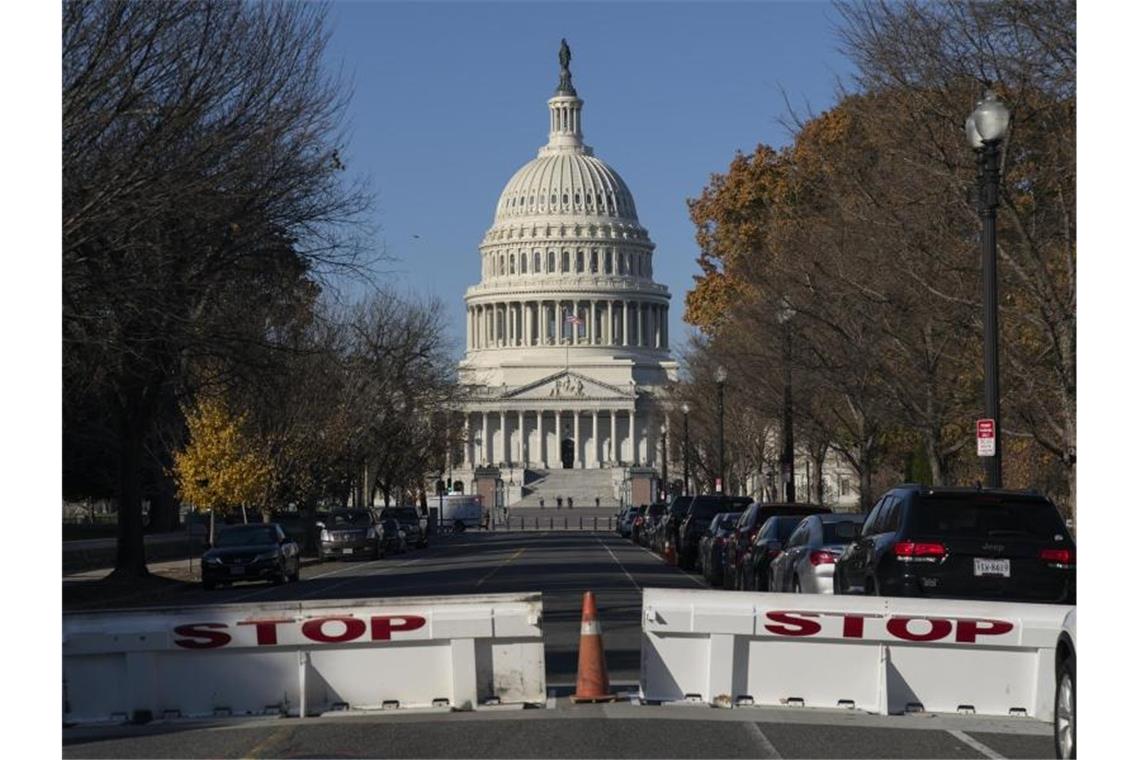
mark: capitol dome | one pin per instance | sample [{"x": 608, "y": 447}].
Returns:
[{"x": 566, "y": 182}]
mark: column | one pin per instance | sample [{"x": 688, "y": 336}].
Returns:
[
  {"x": 522, "y": 439},
  {"x": 625, "y": 324},
  {"x": 486, "y": 440},
  {"x": 576, "y": 330},
  {"x": 608, "y": 338},
  {"x": 505, "y": 456},
  {"x": 577, "y": 439},
  {"x": 559, "y": 321},
  {"x": 665, "y": 327},
  {"x": 541, "y": 441},
  {"x": 558, "y": 437},
  {"x": 596, "y": 443},
  {"x": 633, "y": 436},
  {"x": 468, "y": 454},
  {"x": 592, "y": 328},
  {"x": 641, "y": 325},
  {"x": 526, "y": 323}
]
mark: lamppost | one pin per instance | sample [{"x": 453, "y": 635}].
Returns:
[
  {"x": 665, "y": 462},
  {"x": 788, "y": 457},
  {"x": 721, "y": 377},
  {"x": 685, "y": 453},
  {"x": 986, "y": 128}
]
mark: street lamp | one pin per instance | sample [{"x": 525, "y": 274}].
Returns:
[
  {"x": 665, "y": 462},
  {"x": 721, "y": 377},
  {"x": 685, "y": 454},
  {"x": 986, "y": 128},
  {"x": 788, "y": 457}
]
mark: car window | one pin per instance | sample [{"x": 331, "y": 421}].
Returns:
[
  {"x": 986, "y": 516},
  {"x": 889, "y": 517},
  {"x": 356, "y": 519},
  {"x": 258, "y": 536},
  {"x": 870, "y": 526},
  {"x": 840, "y": 532},
  {"x": 799, "y": 536}
]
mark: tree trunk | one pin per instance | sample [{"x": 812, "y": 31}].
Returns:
[
  {"x": 866, "y": 498},
  {"x": 933, "y": 458},
  {"x": 130, "y": 551},
  {"x": 817, "y": 458}
]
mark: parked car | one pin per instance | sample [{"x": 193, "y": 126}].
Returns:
[
  {"x": 666, "y": 533},
  {"x": 637, "y": 522},
  {"x": 350, "y": 533},
  {"x": 738, "y": 551},
  {"x": 807, "y": 561},
  {"x": 393, "y": 537},
  {"x": 259, "y": 551},
  {"x": 764, "y": 550},
  {"x": 711, "y": 548},
  {"x": 701, "y": 513},
  {"x": 650, "y": 522},
  {"x": 625, "y": 521},
  {"x": 964, "y": 543},
  {"x": 409, "y": 519},
  {"x": 1065, "y": 694}
]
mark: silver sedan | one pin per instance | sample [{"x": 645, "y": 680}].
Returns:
[{"x": 807, "y": 563}]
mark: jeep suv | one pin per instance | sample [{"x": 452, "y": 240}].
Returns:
[{"x": 963, "y": 543}]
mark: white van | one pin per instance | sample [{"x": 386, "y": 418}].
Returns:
[{"x": 461, "y": 511}]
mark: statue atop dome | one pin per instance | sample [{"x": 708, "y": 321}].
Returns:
[{"x": 565, "y": 87}]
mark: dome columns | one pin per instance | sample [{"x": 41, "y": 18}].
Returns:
[{"x": 547, "y": 322}]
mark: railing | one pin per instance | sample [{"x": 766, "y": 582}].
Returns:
[{"x": 564, "y": 522}]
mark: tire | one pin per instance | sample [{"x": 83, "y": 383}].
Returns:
[
  {"x": 279, "y": 578},
  {"x": 376, "y": 553},
  {"x": 296, "y": 576},
  {"x": 796, "y": 589},
  {"x": 771, "y": 582},
  {"x": 459, "y": 526},
  {"x": 209, "y": 585},
  {"x": 1065, "y": 710},
  {"x": 870, "y": 588}
]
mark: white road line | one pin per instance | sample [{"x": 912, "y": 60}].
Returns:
[
  {"x": 970, "y": 741},
  {"x": 694, "y": 578},
  {"x": 619, "y": 564},
  {"x": 767, "y": 749}
]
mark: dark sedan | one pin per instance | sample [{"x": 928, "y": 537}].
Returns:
[
  {"x": 251, "y": 553},
  {"x": 738, "y": 553},
  {"x": 701, "y": 512},
  {"x": 409, "y": 519},
  {"x": 711, "y": 551}
]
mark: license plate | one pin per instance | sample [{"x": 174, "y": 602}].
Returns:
[
  {"x": 237, "y": 571},
  {"x": 999, "y": 567},
  {"x": 349, "y": 551}
]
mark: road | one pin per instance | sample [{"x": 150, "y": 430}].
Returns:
[{"x": 562, "y": 565}]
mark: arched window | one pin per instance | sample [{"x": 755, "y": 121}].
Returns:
[
  {"x": 565, "y": 199},
  {"x": 566, "y": 261},
  {"x": 522, "y": 263},
  {"x": 550, "y": 261},
  {"x": 580, "y": 261},
  {"x": 537, "y": 261},
  {"x": 609, "y": 261},
  {"x": 502, "y": 264},
  {"x": 593, "y": 262}
]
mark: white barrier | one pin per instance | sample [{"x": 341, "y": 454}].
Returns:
[
  {"x": 882, "y": 655},
  {"x": 303, "y": 658}
]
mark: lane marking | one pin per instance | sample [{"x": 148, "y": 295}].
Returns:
[
  {"x": 691, "y": 576},
  {"x": 497, "y": 568},
  {"x": 767, "y": 749},
  {"x": 619, "y": 564},
  {"x": 970, "y": 741},
  {"x": 274, "y": 738}
]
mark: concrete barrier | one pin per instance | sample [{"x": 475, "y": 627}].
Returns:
[
  {"x": 303, "y": 658},
  {"x": 882, "y": 655}
]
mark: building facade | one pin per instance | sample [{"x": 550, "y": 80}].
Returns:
[{"x": 567, "y": 353}]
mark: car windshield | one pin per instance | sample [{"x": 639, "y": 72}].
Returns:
[
  {"x": 356, "y": 519},
  {"x": 785, "y": 524},
  {"x": 841, "y": 532},
  {"x": 986, "y": 517},
  {"x": 656, "y": 510},
  {"x": 405, "y": 514},
  {"x": 727, "y": 522},
  {"x": 707, "y": 507},
  {"x": 680, "y": 505},
  {"x": 259, "y": 536}
]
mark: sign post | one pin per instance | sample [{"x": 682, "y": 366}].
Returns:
[{"x": 987, "y": 439}]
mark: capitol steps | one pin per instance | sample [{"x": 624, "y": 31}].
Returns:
[{"x": 582, "y": 485}]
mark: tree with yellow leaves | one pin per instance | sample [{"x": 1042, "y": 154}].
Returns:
[{"x": 221, "y": 467}]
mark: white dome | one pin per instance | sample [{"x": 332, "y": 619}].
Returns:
[{"x": 566, "y": 183}]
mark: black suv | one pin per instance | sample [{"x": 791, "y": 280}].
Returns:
[
  {"x": 667, "y": 529},
  {"x": 701, "y": 513},
  {"x": 962, "y": 543},
  {"x": 409, "y": 519}
]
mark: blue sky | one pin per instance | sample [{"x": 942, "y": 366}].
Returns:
[{"x": 450, "y": 99}]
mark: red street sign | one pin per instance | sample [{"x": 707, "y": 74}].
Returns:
[{"x": 987, "y": 438}]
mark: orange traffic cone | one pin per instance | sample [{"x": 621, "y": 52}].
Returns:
[
  {"x": 593, "y": 680},
  {"x": 670, "y": 553}
]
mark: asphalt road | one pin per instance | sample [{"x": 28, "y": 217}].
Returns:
[{"x": 562, "y": 565}]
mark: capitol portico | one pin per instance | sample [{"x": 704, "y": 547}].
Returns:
[{"x": 567, "y": 351}]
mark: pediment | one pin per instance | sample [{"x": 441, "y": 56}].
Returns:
[{"x": 569, "y": 385}]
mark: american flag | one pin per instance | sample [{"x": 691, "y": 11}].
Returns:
[{"x": 574, "y": 320}]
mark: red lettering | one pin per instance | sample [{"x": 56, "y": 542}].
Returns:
[
  {"x": 382, "y": 627},
  {"x": 213, "y": 639},
  {"x": 266, "y": 630},
  {"x": 852, "y": 626},
  {"x": 939, "y": 629},
  {"x": 314, "y": 629},
  {"x": 969, "y": 630},
  {"x": 799, "y": 626}
]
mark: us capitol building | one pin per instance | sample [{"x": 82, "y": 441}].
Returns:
[{"x": 567, "y": 352}]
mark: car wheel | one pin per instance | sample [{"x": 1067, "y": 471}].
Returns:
[
  {"x": 279, "y": 577},
  {"x": 376, "y": 553},
  {"x": 796, "y": 585},
  {"x": 296, "y": 576},
  {"x": 869, "y": 587},
  {"x": 1065, "y": 710},
  {"x": 771, "y": 582},
  {"x": 209, "y": 585}
]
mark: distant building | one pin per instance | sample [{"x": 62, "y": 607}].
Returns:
[{"x": 567, "y": 347}]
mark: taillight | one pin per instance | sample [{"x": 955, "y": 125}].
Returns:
[
  {"x": 913, "y": 551},
  {"x": 821, "y": 558},
  {"x": 1063, "y": 558}
]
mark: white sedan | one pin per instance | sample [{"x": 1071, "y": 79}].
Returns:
[{"x": 807, "y": 563}]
